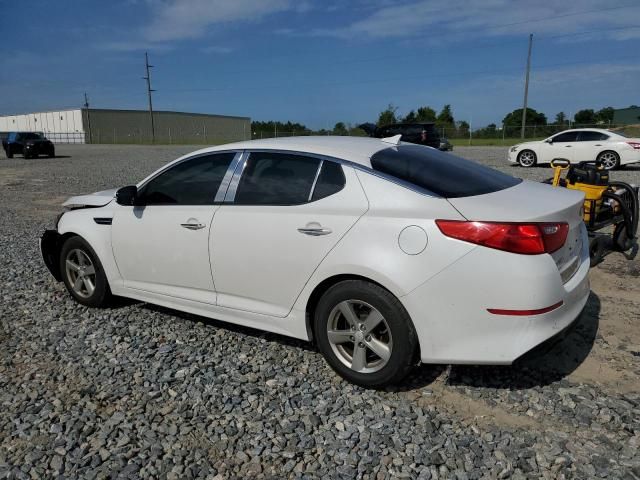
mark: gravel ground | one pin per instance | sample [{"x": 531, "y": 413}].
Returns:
[{"x": 138, "y": 391}]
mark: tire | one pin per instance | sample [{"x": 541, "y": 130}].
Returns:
[
  {"x": 597, "y": 248},
  {"x": 9, "y": 152},
  {"x": 52, "y": 154},
  {"x": 90, "y": 289},
  {"x": 621, "y": 240},
  {"x": 362, "y": 300},
  {"x": 527, "y": 158},
  {"x": 26, "y": 155},
  {"x": 610, "y": 160}
]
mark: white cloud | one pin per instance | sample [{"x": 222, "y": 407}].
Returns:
[
  {"x": 463, "y": 19},
  {"x": 180, "y": 19}
]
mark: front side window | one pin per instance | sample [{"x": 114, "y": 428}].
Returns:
[
  {"x": 566, "y": 137},
  {"x": 276, "y": 179},
  {"x": 441, "y": 173},
  {"x": 192, "y": 182}
]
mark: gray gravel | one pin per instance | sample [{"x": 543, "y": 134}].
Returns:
[{"x": 138, "y": 391}]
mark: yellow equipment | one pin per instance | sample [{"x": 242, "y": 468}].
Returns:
[{"x": 606, "y": 203}]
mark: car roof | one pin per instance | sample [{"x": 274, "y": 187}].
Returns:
[
  {"x": 355, "y": 149},
  {"x": 601, "y": 130}
]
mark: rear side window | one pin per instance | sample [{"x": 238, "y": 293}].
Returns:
[
  {"x": 192, "y": 182},
  {"x": 591, "y": 136},
  {"x": 276, "y": 179},
  {"x": 331, "y": 180},
  {"x": 441, "y": 173}
]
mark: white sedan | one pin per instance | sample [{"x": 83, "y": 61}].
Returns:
[
  {"x": 383, "y": 253},
  {"x": 613, "y": 149}
]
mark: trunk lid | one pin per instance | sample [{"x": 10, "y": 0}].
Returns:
[{"x": 533, "y": 202}]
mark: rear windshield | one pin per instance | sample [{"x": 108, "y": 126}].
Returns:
[{"x": 441, "y": 173}]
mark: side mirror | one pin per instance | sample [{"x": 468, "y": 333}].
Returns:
[
  {"x": 127, "y": 196},
  {"x": 549, "y": 140}
]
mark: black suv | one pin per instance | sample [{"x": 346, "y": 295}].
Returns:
[
  {"x": 29, "y": 144},
  {"x": 420, "y": 133}
]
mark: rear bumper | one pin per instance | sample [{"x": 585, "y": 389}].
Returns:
[
  {"x": 50, "y": 249},
  {"x": 450, "y": 310},
  {"x": 628, "y": 156}
]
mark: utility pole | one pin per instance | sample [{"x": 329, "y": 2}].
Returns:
[
  {"x": 149, "y": 90},
  {"x": 86, "y": 106},
  {"x": 526, "y": 87}
]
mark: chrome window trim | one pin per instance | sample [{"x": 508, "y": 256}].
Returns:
[
  {"x": 315, "y": 180},
  {"x": 235, "y": 180},
  {"x": 170, "y": 165},
  {"x": 226, "y": 180}
]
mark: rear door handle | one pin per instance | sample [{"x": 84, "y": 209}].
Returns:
[
  {"x": 567, "y": 146},
  {"x": 193, "y": 226},
  {"x": 315, "y": 231}
]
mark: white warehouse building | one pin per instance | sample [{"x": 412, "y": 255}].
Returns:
[
  {"x": 129, "y": 126},
  {"x": 64, "y": 126}
]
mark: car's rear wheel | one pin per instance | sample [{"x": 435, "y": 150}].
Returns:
[
  {"x": 9, "y": 152},
  {"x": 609, "y": 159},
  {"x": 52, "y": 153},
  {"x": 365, "y": 333},
  {"x": 83, "y": 274},
  {"x": 527, "y": 158}
]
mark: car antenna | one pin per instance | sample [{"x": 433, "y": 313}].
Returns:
[{"x": 395, "y": 140}]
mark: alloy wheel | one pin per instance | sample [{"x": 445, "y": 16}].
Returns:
[
  {"x": 81, "y": 273},
  {"x": 527, "y": 159},
  {"x": 359, "y": 336}
]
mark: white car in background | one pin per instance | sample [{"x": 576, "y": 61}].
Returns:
[
  {"x": 383, "y": 253},
  {"x": 613, "y": 149}
]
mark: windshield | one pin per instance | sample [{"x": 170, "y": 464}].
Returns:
[
  {"x": 32, "y": 136},
  {"x": 441, "y": 173}
]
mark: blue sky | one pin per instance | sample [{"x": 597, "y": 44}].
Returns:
[{"x": 319, "y": 62}]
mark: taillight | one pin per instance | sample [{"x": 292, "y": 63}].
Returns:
[
  {"x": 634, "y": 145},
  {"x": 524, "y": 238}
]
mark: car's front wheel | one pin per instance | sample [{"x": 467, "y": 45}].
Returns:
[
  {"x": 365, "y": 334},
  {"x": 83, "y": 274},
  {"x": 527, "y": 158}
]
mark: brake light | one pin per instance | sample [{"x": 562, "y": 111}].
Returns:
[
  {"x": 634, "y": 145},
  {"x": 524, "y": 238}
]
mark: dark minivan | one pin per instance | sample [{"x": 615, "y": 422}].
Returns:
[{"x": 419, "y": 133}]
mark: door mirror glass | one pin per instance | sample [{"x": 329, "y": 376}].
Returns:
[
  {"x": 127, "y": 196},
  {"x": 549, "y": 140}
]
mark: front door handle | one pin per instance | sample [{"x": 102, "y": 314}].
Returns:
[
  {"x": 193, "y": 226},
  {"x": 315, "y": 231},
  {"x": 567, "y": 146}
]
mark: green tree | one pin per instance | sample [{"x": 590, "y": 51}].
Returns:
[
  {"x": 410, "y": 117},
  {"x": 561, "y": 118},
  {"x": 426, "y": 114},
  {"x": 445, "y": 117},
  {"x": 585, "y": 117},
  {"x": 605, "y": 115},
  {"x": 514, "y": 119},
  {"x": 340, "y": 129},
  {"x": 388, "y": 116}
]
